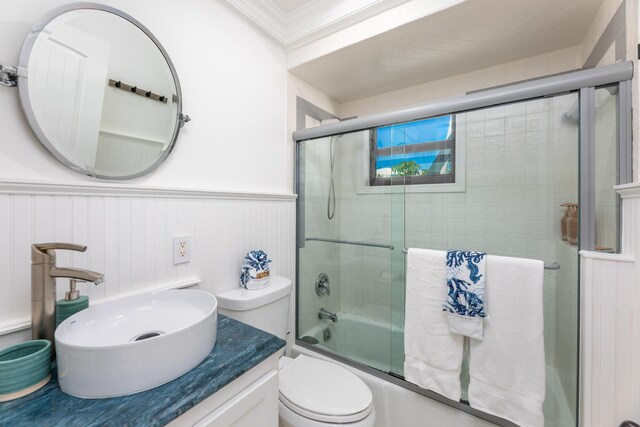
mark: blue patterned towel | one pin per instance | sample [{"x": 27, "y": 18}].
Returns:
[
  {"x": 465, "y": 292},
  {"x": 255, "y": 267}
]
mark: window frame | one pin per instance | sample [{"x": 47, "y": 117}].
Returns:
[{"x": 375, "y": 152}]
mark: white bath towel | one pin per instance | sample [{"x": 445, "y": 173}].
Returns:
[
  {"x": 433, "y": 355},
  {"x": 507, "y": 368}
]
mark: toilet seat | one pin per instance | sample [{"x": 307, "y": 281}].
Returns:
[{"x": 324, "y": 391}]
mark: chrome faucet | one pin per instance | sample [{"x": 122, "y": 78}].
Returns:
[
  {"x": 326, "y": 314},
  {"x": 43, "y": 286}
]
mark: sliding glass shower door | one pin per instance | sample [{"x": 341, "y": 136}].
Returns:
[
  {"x": 352, "y": 241},
  {"x": 519, "y": 199}
]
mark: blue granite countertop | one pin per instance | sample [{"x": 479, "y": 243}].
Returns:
[{"x": 238, "y": 348}]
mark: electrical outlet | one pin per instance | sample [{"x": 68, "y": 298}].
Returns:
[{"x": 181, "y": 249}]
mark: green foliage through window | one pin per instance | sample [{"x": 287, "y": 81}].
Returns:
[
  {"x": 406, "y": 168},
  {"x": 419, "y": 152}
]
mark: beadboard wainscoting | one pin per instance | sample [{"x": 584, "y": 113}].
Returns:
[
  {"x": 610, "y": 325},
  {"x": 129, "y": 233}
]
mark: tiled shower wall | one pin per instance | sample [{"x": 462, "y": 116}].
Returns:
[
  {"x": 343, "y": 263},
  {"x": 606, "y": 167},
  {"x": 521, "y": 164},
  {"x": 130, "y": 239},
  {"x": 368, "y": 274},
  {"x": 317, "y": 257}
]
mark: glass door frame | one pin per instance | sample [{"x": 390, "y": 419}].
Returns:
[{"x": 624, "y": 158}]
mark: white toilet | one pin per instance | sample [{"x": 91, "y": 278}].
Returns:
[{"x": 313, "y": 392}]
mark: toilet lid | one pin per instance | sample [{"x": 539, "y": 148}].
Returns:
[{"x": 323, "y": 391}]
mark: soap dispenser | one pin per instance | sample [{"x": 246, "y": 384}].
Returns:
[
  {"x": 572, "y": 224},
  {"x": 563, "y": 221},
  {"x": 72, "y": 303}
]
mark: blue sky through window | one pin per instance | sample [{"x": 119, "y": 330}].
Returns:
[
  {"x": 429, "y": 130},
  {"x": 425, "y": 160},
  {"x": 418, "y": 132}
]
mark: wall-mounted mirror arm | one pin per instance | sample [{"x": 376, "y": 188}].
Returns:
[
  {"x": 184, "y": 119},
  {"x": 9, "y": 75}
]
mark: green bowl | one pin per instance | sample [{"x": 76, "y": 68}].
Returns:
[{"x": 24, "y": 368}]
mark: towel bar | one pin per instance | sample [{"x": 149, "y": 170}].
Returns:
[
  {"x": 350, "y": 242},
  {"x": 554, "y": 266}
]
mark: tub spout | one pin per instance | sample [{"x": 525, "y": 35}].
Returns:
[{"x": 326, "y": 314}]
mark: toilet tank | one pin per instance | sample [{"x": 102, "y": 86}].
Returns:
[{"x": 266, "y": 309}]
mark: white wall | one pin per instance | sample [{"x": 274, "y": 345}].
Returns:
[
  {"x": 130, "y": 240},
  {"x": 234, "y": 88},
  {"x": 610, "y": 336}
]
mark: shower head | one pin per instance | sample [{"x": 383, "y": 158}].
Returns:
[{"x": 573, "y": 115}]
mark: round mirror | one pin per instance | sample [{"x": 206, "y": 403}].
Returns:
[{"x": 100, "y": 92}]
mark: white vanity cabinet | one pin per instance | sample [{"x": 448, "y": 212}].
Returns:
[{"x": 248, "y": 401}]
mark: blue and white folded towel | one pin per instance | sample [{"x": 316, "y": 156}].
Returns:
[
  {"x": 255, "y": 270},
  {"x": 465, "y": 293}
]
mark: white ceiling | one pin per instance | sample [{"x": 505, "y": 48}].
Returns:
[{"x": 471, "y": 35}]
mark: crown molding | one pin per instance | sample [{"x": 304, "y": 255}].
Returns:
[
  {"x": 317, "y": 19},
  {"x": 262, "y": 15},
  {"x": 308, "y": 23}
]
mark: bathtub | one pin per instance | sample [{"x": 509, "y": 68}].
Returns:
[
  {"x": 371, "y": 342},
  {"x": 379, "y": 346},
  {"x": 398, "y": 406}
]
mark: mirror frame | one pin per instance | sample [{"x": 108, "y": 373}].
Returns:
[{"x": 23, "y": 87}]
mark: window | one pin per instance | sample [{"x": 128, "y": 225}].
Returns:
[{"x": 420, "y": 152}]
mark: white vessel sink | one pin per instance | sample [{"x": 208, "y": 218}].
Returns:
[{"x": 135, "y": 343}]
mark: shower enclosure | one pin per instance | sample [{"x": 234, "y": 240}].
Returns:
[{"x": 522, "y": 171}]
